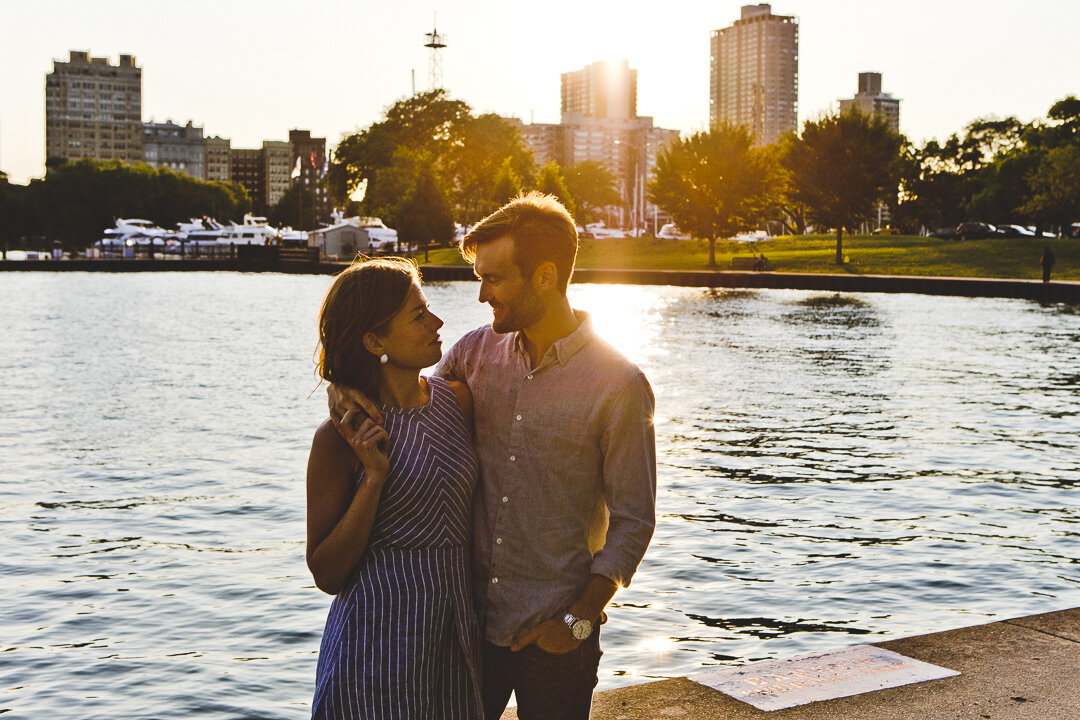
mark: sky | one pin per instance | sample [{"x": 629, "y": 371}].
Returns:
[{"x": 251, "y": 71}]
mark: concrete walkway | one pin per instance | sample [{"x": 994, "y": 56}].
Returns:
[{"x": 1022, "y": 669}]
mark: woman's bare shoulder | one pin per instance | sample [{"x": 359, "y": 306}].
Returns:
[{"x": 329, "y": 446}]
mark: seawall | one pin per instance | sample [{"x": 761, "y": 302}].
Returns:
[{"x": 1057, "y": 291}]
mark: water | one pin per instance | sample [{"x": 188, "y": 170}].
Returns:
[{"x": 833, "y": 470}]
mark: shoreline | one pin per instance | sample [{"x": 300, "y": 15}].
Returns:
[
  {"x": 1015, "y": 669},
  {"x": 1052, "y": 292}
]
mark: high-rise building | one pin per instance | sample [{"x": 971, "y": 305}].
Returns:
[
  {"x": 311, "y": 152},
  {"x": 754, "y": 73},
  {"x": 93, "y": 109},
  {"x": 277, "y": 159},
  {"x": 872, "y": 101},
  {"x": 605, "y": 89},
  {"x": 216, "y": 158},
  {"x": 600, "y": 124},
  {"x": 177, "y": 147}
]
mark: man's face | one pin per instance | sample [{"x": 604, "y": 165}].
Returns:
[{"x": 515, "y": 302}]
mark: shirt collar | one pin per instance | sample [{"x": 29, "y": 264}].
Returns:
[{"x": 565, "y": 348}]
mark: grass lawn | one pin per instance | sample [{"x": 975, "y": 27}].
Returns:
[{"x": 866, "y": 254}]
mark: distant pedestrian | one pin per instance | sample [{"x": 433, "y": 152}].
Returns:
[{"x": 1047, "y": 263}]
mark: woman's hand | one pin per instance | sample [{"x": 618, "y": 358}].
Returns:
[{"x": 368, "y": 441}]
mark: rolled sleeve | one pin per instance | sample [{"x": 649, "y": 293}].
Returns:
[{"x": 628, "y": 444}]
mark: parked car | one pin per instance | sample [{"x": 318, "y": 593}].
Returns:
[
  {"x": 976, "y": 231},
  {"x": 1015, "y": 231},
  {"x": 885, "y": 231}
]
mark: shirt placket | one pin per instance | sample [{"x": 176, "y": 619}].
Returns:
[{"x": 522, "y": 407}]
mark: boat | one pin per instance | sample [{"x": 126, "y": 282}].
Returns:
[
  {"x": 254, "y": 231},
  {"x": 199, "y": 231}
]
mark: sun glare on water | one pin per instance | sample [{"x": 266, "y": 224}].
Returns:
[{"x": 626, "y": 316}]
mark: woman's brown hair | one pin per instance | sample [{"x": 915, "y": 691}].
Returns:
[{"x": 363, "y": 299}]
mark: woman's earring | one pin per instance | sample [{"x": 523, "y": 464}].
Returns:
[{"x": 384, "y": 359}]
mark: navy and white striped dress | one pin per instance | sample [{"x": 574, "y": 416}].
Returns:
[{"x": 401, "y": 640}]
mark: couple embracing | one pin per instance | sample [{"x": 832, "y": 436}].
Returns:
[{"x": 474, "y": 524}]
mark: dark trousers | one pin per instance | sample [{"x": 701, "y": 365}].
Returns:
[{"x": 548, "y": 686}]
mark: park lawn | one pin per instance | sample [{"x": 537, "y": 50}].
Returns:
[{"x": 866, "y": 255}]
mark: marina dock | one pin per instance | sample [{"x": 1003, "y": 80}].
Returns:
[{"x": 1020, "y": 669}]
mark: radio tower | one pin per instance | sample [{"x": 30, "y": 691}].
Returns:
[{"x": 436, "y": 42}]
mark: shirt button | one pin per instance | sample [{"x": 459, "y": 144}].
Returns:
[
  {"x": 506, "y": 499},
  {"x": 498, "y": 541},
  {"x": 494, "y": 581},
  {"x": 513, "y": 458},
  {"x": 528, "y": 377},
  {"x": 517, "y": 417}
]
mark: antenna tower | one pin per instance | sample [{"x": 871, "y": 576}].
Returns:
[{"x": 435, "y": 42}]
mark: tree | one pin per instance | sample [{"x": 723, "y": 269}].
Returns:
[
  {"x": 1055, "y": 186},
  {"x": 77, "y": 200},
  {"x": 467, "y": 153},
  {"x": 715, "y": 184},
  {"x": 473, "y": 166},
  {"x": 425, "y": 214},
  {"x": 506, "y": 184},
  {"x": 841, "y": 166},
  {"x": 296, "y": 208},
  {"x": 550, "y": 182},
  {"x": 592, "y": 187}
]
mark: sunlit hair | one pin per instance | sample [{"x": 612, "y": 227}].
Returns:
[
  {"x": 364, "y": 298},
  {"x": 542, "y": 231}
]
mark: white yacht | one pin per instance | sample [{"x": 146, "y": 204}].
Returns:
[
  {"x": 255, "y": 231},
  {"x": 199, "y": 231}
]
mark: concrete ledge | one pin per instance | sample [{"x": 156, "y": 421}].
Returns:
[
  {"x": 1067, "y": 292},
  {"x": 1022, "y": 669}
]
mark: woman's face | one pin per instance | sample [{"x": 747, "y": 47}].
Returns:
[{"x": 412, "y": 335}]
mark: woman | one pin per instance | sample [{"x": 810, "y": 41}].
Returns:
[{"x": 389, "y": 510}]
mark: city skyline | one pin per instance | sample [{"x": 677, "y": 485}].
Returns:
[{"x": 338, "y": 66}]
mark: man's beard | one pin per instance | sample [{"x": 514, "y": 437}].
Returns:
[{"x": 525, "y": 310}]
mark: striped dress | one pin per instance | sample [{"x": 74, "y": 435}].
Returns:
[{"x": 401, "y": 640}]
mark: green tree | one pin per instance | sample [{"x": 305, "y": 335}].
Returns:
[
  {"x": 715, "y": 184},
  {"x": 1055, "y": 185},
  {"x": 550, "y": 181},
  {"x": 425, "y": 214},
  {"x": 473, "y": 166},
  {"x": 592, "y": 187},
  {"x": 506, "y": 185},
  {"x": 841, "y": 166},
  {"x": 296, "y": 208},
  {"x": 76, "y": 201},
  {"x": 428, "y": 123}
]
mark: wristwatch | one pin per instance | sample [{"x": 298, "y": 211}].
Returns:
[{"x": 579, "y": 628}]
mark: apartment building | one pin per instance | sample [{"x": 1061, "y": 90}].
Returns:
[
  {"x": 93, "y": 109},
  {"x": 754, "y": 73},
  {"x": 872, "y": 101}
]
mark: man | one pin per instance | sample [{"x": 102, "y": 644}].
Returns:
[
  {"x": 566, "y": 503},
  {"x": 1047, "y": 262}
]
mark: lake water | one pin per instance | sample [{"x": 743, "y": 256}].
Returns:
[{"x": 833, "y": 470}]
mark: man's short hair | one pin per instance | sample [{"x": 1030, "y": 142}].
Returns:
[{"x": 542, "y": 231}]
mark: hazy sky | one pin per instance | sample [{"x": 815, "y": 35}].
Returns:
[{"x": 251, "y": 70}]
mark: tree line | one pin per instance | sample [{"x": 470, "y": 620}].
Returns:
[
  {"x": 841, "y": 167},
  {"x": 77, "y": 200}
]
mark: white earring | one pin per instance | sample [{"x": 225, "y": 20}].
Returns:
[{"x": 384, "y": 359}]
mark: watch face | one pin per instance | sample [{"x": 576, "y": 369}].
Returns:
[{"x": 582, "y": 629}]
